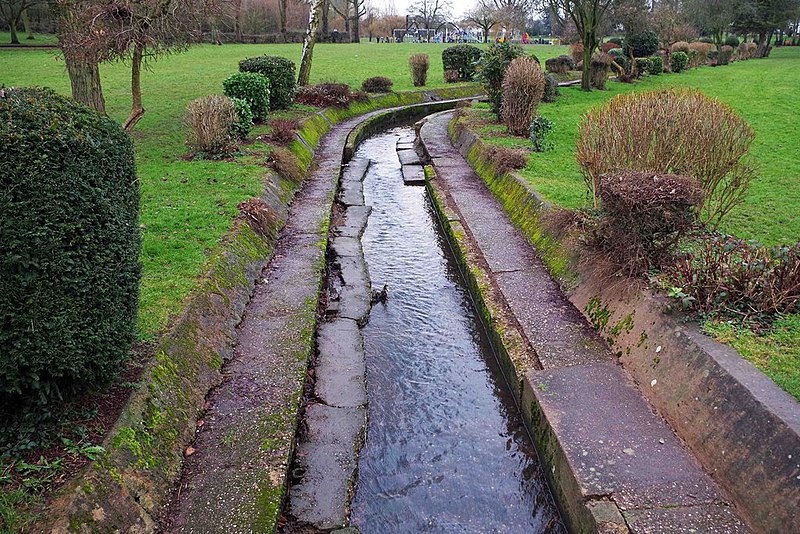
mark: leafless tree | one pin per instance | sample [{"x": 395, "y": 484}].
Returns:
[
  {"x": 587, "y": 16},
  {"x": 484, "y": 16},
  {"x": 13, "y": 11}
]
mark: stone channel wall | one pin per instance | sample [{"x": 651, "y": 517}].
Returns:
[
  {"x": 740, "y": 425},
  {"x": 128, "y": 489}
]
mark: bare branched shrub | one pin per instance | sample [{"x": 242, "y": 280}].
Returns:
[
  {"x": 677, "y": 131},
  {"x": 680, "y": 46},
  {"x": 599, "y": 70},
  {"x": 507, "y": 159},
  {"x": 644, "y": 216},
  {"x": 283, "y": 131},
  {"x": 451, "y": 76},
  {"x": 259, "y": 215},
  {"x": 419, "y": 69},
  {"x": 699, "y": 53},
  {"x": 747, "y": 50},
  {"x": 738, "y": 278},
  {"x": 286, "y": 164},
  {"x": 209, "y": 121},
  {"x": 576, "y": 51},
  {"x": 523, "y": 88},
  {"x": 725, "y": 55}
]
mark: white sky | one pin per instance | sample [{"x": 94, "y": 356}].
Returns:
[{"x": 401, "y": 6}]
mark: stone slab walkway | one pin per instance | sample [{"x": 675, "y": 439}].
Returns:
[
  {"x": 239, "y": 460},
  {"x": 619, "y": 467}
]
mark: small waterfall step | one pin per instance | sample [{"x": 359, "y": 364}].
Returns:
[{"x": 413, "y": 172}]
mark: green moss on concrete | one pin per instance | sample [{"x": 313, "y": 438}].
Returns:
[
  {"x": 479, "y": 286},
  {"x": 313, "y": 129},
  {"x": 524, "y": 209}
]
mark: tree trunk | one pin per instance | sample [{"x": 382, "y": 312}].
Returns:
[
  {"x": 237, "y": 21},
  {"x": 282, "y": 14},
  {"x": 308, "y": 43},
  {"x": 13, "y": 27},
  {"x": 26, "y": 22},
  {"x": 355, "y": 34},
  {"x": 84, "y": 76},
  {"x": 586, "y": 79},
  {"x": 137, "y": 110},
  {"x": 324, "y": 15}
]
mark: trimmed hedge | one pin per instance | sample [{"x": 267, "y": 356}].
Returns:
[
  {"x": 377, "y": 84},
  {"x": 642, "y": 44},
  {"x": 69, "y": 255},
  {"x": 282, "y": 76},
  {"x": 250, "y": 86},
  {"x": 678, "y": 61},
  {"x": 464, "y": 58}
]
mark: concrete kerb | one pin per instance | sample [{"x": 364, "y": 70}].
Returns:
[
  {"x": 715, "y": 400},
  {"x": 127, "y": 489}
]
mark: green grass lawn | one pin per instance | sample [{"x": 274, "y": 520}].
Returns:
[
  {"x": 39, "y": 39},
  {"x": 187, "y": 206}
]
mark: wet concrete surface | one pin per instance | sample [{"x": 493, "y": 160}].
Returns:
[
  {"x": 620, "y": 467},
  {"x": 446, "y": 449}
]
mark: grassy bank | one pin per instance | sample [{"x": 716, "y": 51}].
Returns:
[
  {"x": 761, "y": 91},
  {"x": 187, "y": 205}
]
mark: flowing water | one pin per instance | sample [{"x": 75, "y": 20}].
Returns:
[{"x": 446, "y": 449}]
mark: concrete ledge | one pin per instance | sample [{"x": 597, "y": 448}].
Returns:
[{"x": 744, "y": 430}]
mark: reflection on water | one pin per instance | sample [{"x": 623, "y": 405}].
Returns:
[{"x": 446, "y": 449}]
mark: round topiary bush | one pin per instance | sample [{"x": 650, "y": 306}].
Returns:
[
  {"x": 464, "y": 58},
  {"x": 252, "y": 87},
  {"x": 642, "y": 44},
  {"x": 241, "y": 128},
  {"x": 732, "y": 41},
  {"x": 560, "y": 64},
  {"x": 281, "y": 74},
  {"x": 678, "y": 61},
  {"x": 69, "y": 254},
  {"x": 656, "y": 65}
]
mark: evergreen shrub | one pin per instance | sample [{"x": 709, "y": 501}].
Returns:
[
  {"x": 252, "y": 87},
  {"x": 464, "y": 58},
  {"x": 280, "y": 72}
]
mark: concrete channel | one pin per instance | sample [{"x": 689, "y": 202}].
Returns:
[
  {"x": 613, "y": 463},
  {"x": 418, "y": 413}
]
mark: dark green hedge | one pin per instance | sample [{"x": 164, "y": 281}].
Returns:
[
  {"x": 69, "y": 252},
  {"x": 281, "y": 74},
  {"x": 464, "y": 58}
]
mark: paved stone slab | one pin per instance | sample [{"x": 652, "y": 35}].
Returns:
[
  {"x": 327, "y": 458},
  {"x": 355, "y": 221},
  {"x": 346, "y": 246},
  {"x": 351, "y": 193},
  {"x": 408, "y": 157},
  {"x": 340, "y": 368},
  {"x": 354, "y": 294},
  {"x": 708, "y": 519},
  {"x": 405, "y": 145},
  {"x": 555, "y": 329},
  {"x": 614, "y": 443},
  {"x": 413, "y": 175},
  {"x": 355, "y": 170}
]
